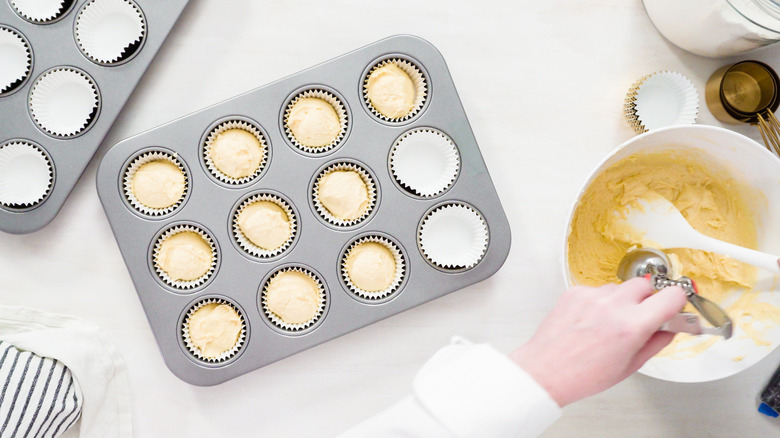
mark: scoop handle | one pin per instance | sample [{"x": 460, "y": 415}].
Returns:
[{"x": 750, "y": 256}]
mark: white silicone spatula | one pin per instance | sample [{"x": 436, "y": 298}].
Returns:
[{"x": 664, "y": 226}]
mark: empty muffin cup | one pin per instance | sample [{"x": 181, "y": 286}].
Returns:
[
  {"x": 235, "y": 152},
  {"x": 453, "y": 236},
  {"x": 344, "y": 194},
  {"x": 184, "y": 256},
  {"x": 110, "y": 31},
  {"x": 425, "y": 162},
  {"x": 15, "y": 60},
  {"x": 661, "y": 99},
  {"x": 214, "y": 330},
  {"x": 64, "y": 101},
  {"x": 264, "y": 225},
  {"x": 293, "y": 298},
  {"x": 395, "y": 90},
  {"x": 315, "y": 121},
  {"x": 42, "y": 11},
  {"x": 155, "y": 183},
  {"x": 373, "y": 267},
  {"x": 26, "y": 174}
]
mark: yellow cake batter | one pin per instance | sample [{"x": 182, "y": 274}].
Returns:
[{"x": 711, "y": 202}]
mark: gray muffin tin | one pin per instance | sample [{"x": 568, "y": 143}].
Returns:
[
  {"x": 319, "y": 247},
  {"x": 54, "y": 45}
]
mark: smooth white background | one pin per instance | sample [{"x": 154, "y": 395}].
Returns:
[{"x": 543, "y": 84}]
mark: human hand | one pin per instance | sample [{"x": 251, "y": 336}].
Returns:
[{"x": 596, "y": 337}]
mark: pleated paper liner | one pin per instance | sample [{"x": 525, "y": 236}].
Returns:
[
  {"x": 129, "y": 174},
  {"x": 338, "y": 107},
  {"x": 250, "y": 247},
  {"x": 418, "y": 81},
  {"x": 661, "y": 99},
  {"x": 180, "y": 284},
  {"x": 243, "y": 125},
  {"x": 370, "y": 188},
  {"x": 42, "y": 11},
  {"x": 110, "y": 32},
  {"x": 15, "y": 60},
  {"x": 26, "y": 174},
  {"x": 275, "y": 319},
  {"x": 195, "y": 350},
  {"x": 453, "y": 236},
  {"x": 398, "y": 277},
  {"x": 425, "y": 162},
  {"x": 64, "y": 102}
]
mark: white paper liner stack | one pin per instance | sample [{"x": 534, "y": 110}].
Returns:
[
  {"x": 661, "y": 99},
  {"x": 400, "y": 268},
  {"x": 418, "y": 80},
  {"x": 106, "y": 29},
  {"x": 453, "y": 236},
  {"x": 185, "y": 331},
  {"x": 26, "y": 174},
  {"x": 275, "y": 319},
  {"x": 425, "y": 161},
  {"x": 127, "y": 182},
  {"x": 225, "y": 126},
  {"x": 182, "y": 284},
  {"x": 340, "y": 109},
  {"x": 64, "y": 101},
  {"x": 247, "y": 245},
  {"x": 41, "y": 11},
  {"x": 15, "y": 59},
  {"x": 367, "y": 180}
]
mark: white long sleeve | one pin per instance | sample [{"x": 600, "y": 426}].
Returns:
[{"x": 466, "y": 390}]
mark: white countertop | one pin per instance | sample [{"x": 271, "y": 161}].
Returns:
[{"x": 543, "y": 84}]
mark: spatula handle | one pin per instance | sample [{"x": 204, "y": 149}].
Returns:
[{"x": 750, "y": 256}]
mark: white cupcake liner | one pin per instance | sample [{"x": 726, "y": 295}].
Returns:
[
  {"x": 106, "y": 29},
  {"x": 64, "y": 101},
  {"x": 425, "y": 161},
  {"x": 26, "y": 174},
  {"x": 192, "y": 348},
  {"x": 337, "y": 105},
  {"x": 15, "y": 59},
  {"x": 225, "y": 126},
  {"x": 180, "y": 284},
  {"x": 400, "y": 268},
  {"x": 367, "y": 180},
  {"x": 133, "y": 168},
  {"x": 276, "y": 320},
  {"x": 41, "y": 11},
  {"x": 453, "y": 236},
  {"x": 661, "y": 99},
  {"x": 420, "y": 88},
  {"x": 246, "y": 244}
]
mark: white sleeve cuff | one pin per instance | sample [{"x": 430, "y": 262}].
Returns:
[{"x": 475, "y": 391}]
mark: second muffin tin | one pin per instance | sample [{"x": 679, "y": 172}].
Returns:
[{"x": 464, "y": 213}]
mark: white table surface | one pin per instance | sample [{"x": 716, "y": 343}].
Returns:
[{"x": 543, "y": 84}]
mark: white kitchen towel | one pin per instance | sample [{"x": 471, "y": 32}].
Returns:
[{"x": 96, "y": 364}]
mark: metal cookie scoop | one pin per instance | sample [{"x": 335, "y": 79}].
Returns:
[{"x": 654, "y": 265}]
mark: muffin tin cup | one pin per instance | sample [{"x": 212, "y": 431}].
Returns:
[
  {"x": 418, "y": 80},
  {"x": 195, "y": 351},
  {"x": 367, "y": 179},
  {"x": 132, "y": 168},
  {"x": 42, "y": 11},
  {"x": 453, "y": 236},
  {"x": 400, "y": 268},
  {"x": 276, "y": 320},
  {"x": 109, "y": 32},
  {"x": 184, "y": 285},
  {"x": 236, "y": 123},
  {"x": 26, "y": 174},
  {"x": 64, "y": 102},
  {"x": 15, "y": 59},
  {"x": 334, "y": 101},
  {"x": 246, "y": 244},
  {"x": 425, "y": 162}
]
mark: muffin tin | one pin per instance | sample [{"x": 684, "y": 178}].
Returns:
[
  {"x": 465, "y": 207},
  {"x": 67, "y": 67}
]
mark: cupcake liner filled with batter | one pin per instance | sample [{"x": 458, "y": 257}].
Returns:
[
  {"x": 373, "y": 267},
  {"x": 425, "y": 162},
  {"x": 184, "y": 256},
  {"x": 214, "y": 330},
  {"x": 293, "y": 298},
  {"x": 110, "y": 31},
  {"x": 42, "y": 11},
  {"x": 64, "y": 102},
  {"x": 395, "y": 90},
  {"x": 15, "y": 60},
  {"x": 453, "y": 236},
  {"x": 264, "y": 225},
  {"x": 235, "y": 152},
  {"x": 155, "y": 183},
  {"x": 344, "y": 194},
  {"x": 315, "y": 121},
  {"x": 26, "y": 174}
]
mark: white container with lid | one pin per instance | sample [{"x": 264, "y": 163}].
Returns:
[{"x": 717, "y": 28}]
